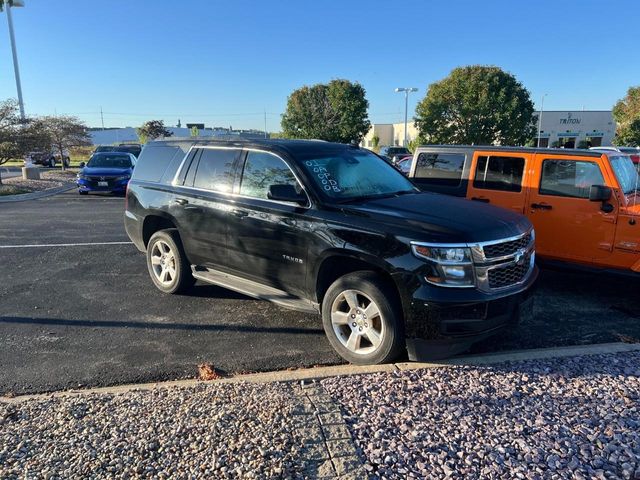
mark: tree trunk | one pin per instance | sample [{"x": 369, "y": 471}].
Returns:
[{"x": 61, "y": 148}]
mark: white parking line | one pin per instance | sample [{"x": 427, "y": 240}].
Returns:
[{"x": 65, "y": 244}]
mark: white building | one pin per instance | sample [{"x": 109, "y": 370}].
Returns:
[
  {"x": 111, "y": 136},
  {"x": 558, "y": 128},
  {"x": 569, "y": 128}
]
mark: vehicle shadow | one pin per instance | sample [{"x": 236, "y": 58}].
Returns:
[{"x": 160, "y": 326}]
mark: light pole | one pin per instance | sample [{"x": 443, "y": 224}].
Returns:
[
  {"x": 407, "y": 91},
  {"x": 540, "y": 119},
  {"x": 9, "y": 4}
]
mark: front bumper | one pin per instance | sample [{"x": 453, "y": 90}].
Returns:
[
  {"x": 441, "y": 322},
  {"x": 119, "y": 186}
]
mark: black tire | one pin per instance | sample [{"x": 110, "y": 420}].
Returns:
[
  {"x": 182, "y": 279},
  {"x": 81, "y": 192},
  {"x": 389, "y": 321}
]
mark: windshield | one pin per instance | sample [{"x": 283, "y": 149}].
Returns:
[
  {"x": 110, "y": 161},
  {"x": 626, "y": 173},
  {"x": 356, "y": 174}
]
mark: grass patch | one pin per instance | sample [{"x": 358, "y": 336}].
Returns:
[{"x": 12, "y": 190}]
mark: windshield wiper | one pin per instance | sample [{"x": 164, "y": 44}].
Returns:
[{"x": 376, "y": 196}]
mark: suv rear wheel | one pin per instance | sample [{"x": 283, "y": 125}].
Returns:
[
  {"x": 167, "y": 263},
  {"x": 362, "y": 319}
]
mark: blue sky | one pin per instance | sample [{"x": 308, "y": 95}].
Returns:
[{"x": 225, "y": 62}]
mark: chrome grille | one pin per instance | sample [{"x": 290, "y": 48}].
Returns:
[
  {"x": 510, "y": 274},
  {"x": 503, "y": 249}
]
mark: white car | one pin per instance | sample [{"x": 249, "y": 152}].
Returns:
[{"x": 633, "y": 152}]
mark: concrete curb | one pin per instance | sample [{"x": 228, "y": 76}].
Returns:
[
  {"x": 36, "y": 195},
  {"x": 310, "y": 374}
]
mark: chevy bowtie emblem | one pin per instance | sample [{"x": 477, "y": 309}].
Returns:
[
  {"x": 519, "y": 257},
  {"x": 102, "y": 179}
]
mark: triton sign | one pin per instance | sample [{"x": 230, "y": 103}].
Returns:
[{"x": 569, "y": 120}]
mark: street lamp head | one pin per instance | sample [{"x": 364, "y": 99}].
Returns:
[
  {"x": 400, "y": 90},
  {"x": 413, "y": 89}
]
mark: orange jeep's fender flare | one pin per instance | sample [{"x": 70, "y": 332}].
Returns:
[{"x": 636, "y": 266}]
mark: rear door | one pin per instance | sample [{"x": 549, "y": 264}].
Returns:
[
  {"x": 568, "y": 225},
  {"x": 202, "y": 204},
  {"x": 499, "y": 178}
]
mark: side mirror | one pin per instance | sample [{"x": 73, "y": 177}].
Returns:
[
  {"x": 599, "y": 193},
  {"x": 82, "y": 164},
  {"x": 286, "y": 193}
]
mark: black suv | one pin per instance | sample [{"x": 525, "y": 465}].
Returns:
[{"x": 331, "y": 229}]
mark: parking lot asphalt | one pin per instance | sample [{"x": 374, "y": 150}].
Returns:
[{"x": 88, "y": 315}]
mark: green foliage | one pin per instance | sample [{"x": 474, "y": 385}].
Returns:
[
  {"x": 555, "y": 144},
  {"x": 194, "y": 131},
  {"x": 375, "y": 141},
  {"x": 19, "y": 137},
  {"x": 481, "y": 105},
  {"x": 627, "y": 114},
  {"x": 415, "y": 143},
  {"x": 583, "y": 144},
  {"x": 151, "y": 130},
  {"x": 336, "y": 112}
]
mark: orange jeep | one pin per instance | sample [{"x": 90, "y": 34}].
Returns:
[{"x": 584, "y": 205}]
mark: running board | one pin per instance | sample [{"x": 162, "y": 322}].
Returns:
[{"x": 254, "y": 289}]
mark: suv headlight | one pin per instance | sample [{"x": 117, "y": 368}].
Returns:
[{"x": 452, "y": 266}]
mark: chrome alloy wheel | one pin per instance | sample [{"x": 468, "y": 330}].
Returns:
[
  {"x": 357, "y": 322},
  {"x": 163, "y": 262}
]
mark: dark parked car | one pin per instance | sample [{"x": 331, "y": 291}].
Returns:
[
  {"x": 106, "y": 172},
  {"x": 133, "y": 148},
  {"x": 331, "y": 229},
  {"x": 390, "y": 152},
  {"x": 48, "y": 159}
]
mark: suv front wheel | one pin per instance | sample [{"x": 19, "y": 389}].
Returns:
[
  {"x": 362, "y": 319},
  {"x": 167, "y": 263}
]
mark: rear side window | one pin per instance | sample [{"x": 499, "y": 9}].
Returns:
[
  {"x": 566, "y": 178},
  {"x": 499, "y": 173},
  {"x": 215, "y": 169},
  {"x": 443, "y": 169},
  {"x": 261, "y": 170},
  {"x": 155, "y": 161}
]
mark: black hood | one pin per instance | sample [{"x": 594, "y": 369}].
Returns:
[{"x": 431, "y": 217}]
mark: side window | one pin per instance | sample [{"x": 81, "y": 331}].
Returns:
[
  {"x": 499, "y": 173},
  {"x": 262, "y": 169},
  {"x": 215, "y": 169},
  {"x": 440, "y": 168},
  {"x": 567, "y": 178}
]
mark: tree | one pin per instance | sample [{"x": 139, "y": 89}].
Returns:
[
  {"x": 627, "y": 114},
  {"x": 19, "y": 137},
  {"x": 151, "y": 130},
  {"x": 375, "y": 141},
  {"x": 336, "y": 112},
  {"x": 64, "y": 133},
  {"x": 479, "y": 105},
  {"x": 194, "y": 131}
]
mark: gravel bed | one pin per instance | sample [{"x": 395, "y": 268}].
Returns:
[
  {"x": 566, "y": 418},
  {"x": 207, "y": 431},
  {"x": 33, "y": 185}
]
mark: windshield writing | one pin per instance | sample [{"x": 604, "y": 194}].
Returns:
[{"x": 357, "y": 174}]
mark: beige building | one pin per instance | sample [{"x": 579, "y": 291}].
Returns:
[{"x": 389, "y": 134}]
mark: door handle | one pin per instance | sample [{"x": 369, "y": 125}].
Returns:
[
  {"x": 481, "y": 199},
  {"x": 541, "y": 206},
  {"x": 239, "y": 213},
  {"x": 181, "y": 201}
]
